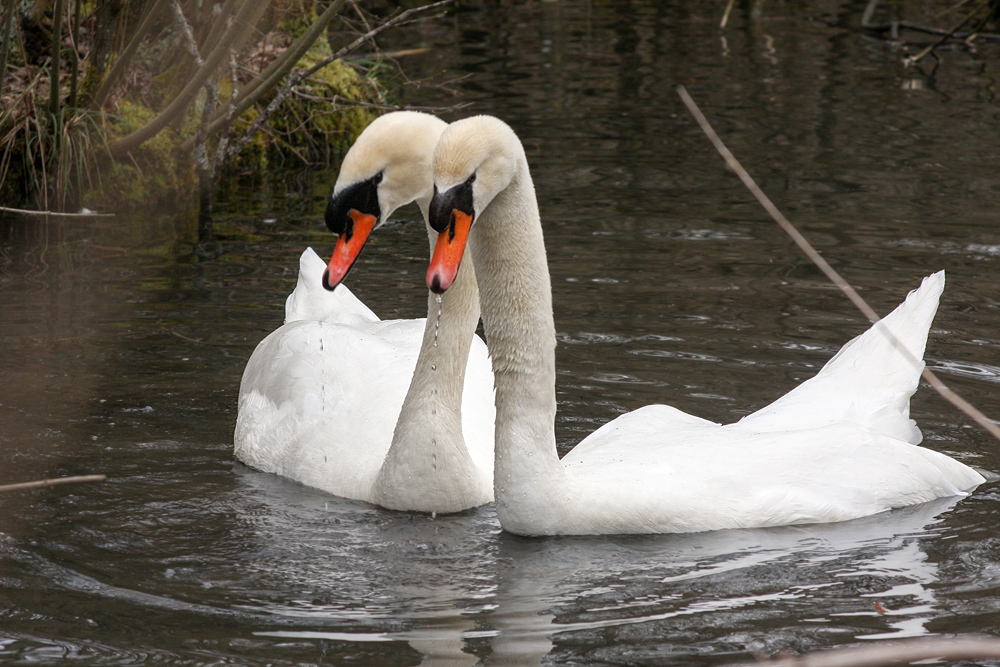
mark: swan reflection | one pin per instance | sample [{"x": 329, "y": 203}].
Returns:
[{"x": 457, "y": 590}]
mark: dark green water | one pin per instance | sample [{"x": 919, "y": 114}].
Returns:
[{"x": 121, "y": 351}]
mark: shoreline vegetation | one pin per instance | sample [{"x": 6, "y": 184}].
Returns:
[{"x": 114, "y": 104}]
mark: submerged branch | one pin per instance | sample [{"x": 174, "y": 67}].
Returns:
[
  {"x": 940, "y": 387},
  {"x": 893, "y": 28}
]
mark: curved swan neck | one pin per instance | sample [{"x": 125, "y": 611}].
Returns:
[
  {"x": 428, "y": 458},
  {"x": 516, "y": 298}
]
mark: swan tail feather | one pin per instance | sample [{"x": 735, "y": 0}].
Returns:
[
  {"x": 310, "y": 301},
  {"x": 869, "y": 382}
]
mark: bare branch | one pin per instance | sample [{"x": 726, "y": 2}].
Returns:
[
  {"x": 7, "y": 209},
  {"x": 52, "y": 482},
  {"x": 186, "y": 32},
  {"x": 946, "y": 392},
  {"x": 371, "y": 34}
]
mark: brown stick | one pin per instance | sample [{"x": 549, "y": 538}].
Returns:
[
  {"x": 7, "y": 209},
  {"x": 52, "y": 482},
  {"x": 940, "y": 387}
]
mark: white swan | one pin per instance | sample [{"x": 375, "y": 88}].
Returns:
[
  {"x": 327, "y": 399},
  {"x": 839, "y": 446}
]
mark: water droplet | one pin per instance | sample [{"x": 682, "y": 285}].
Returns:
[
  {"x": 434, "y": 367},
  {"x": 437, "y": 321}
]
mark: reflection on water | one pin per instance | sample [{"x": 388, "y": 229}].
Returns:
[
  {"x": 123, "y": 346},
  {"x": 292, "y": 569}
]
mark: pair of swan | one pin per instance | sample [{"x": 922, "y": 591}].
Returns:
[{"x": 839, "y": 446}]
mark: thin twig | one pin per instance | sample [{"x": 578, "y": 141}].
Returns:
[
  {"x": 893, "y": 653},
  {"x": 52, "y": 482},
  {"x": 947, "y": 393},
  {"x": 7, "y": 209},
  {"x": 725, "y": 14},
  {"x": 912, "y": 60}
]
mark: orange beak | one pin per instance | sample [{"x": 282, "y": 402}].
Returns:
[
  {"x": 448, "y": 252},
  {"x": 348, "y": 247}
]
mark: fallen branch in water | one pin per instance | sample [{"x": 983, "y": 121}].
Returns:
[
  {"x": 940, "y": 387},
  {"x": 949, "y": 649},
  {"x": 20, "y": 486},
  {"x": 22, "y": 211}
]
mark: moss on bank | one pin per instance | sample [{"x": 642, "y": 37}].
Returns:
[
  {"x": 156, "y": 172},
  {"x": 322, "y": 119}
]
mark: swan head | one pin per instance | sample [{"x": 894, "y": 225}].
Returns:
[
  {"x": 475, "y": 160},
  {"x": 387, "y": 167}
]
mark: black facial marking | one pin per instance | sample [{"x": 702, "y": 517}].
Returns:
[
  {"x": 442, "y": 205},
  {"x": 326, "y": 281},
  {"x": 361, "y": 196}
]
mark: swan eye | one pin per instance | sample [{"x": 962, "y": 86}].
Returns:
[
  {"x": 377, "y": 178},
  {"x": 471, "y": 179}
]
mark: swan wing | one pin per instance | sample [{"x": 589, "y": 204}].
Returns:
[
  {"x": 319, "y": 401},
  {"x": 715, "y": 477},
  {"x": 479, "y": 405}
]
